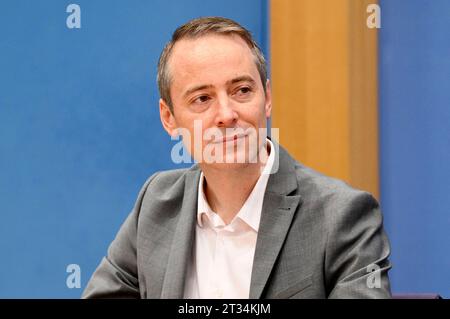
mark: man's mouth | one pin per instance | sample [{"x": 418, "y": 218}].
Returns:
[{"x": 229, "y": 138}]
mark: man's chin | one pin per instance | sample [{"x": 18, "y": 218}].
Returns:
[
  {"x": 226, "y": 166},
  {"x": 232, "y": 162}
]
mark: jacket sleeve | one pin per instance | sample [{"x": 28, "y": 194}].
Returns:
[
  {"x": 116, "y": 276},
  {"x": 357, "y": 250}
]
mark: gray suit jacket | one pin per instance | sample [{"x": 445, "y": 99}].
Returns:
[{"x": 318, "y": 238}]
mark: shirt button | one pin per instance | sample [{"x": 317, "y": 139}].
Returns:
[{"x": 219, "y": 293}]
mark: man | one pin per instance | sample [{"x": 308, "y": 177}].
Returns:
[{"x": 247, "y": 221}]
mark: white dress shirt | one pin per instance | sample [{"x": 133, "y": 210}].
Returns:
[{"x": 222, "y": 261}]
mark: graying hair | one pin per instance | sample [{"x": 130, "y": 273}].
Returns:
[{"x": 199, "y": 27}]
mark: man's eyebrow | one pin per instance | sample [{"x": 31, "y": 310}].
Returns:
[
  {"x": 243, "y": 78},
  {"x": 197, "y": 88}
]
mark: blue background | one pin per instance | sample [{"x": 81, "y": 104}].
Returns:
[
  {"x": 414, "y": 93},
  {"x": 79, "y": 128},
  {"x": 80, "y": 132}
]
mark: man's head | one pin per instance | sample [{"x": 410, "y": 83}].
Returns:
[
  {"x": 213, "y": 73},
  {"x": 195, "y": 29}
]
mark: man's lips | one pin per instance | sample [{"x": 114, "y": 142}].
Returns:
[{"x": 229, "y": 138}]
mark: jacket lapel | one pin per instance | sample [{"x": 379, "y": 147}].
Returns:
[
  {"x": 181, "y": 248},
  {"x": 276, "y": 217}
]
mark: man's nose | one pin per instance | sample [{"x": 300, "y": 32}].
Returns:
[{"x": 226, "y": 116}]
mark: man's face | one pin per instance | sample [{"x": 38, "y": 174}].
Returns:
[{"x": 215, "y": 83}]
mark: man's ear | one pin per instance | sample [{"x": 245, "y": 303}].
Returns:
[
  {"x": 167, "y": 118},
  {"x": 268, "y": 105}
]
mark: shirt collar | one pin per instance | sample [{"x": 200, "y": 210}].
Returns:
[{"x": 250, "y": 212}]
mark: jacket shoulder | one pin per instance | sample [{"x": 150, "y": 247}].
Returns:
[
  {"x": 163, "y": 183},
  {"x": 317, "y": 187}
]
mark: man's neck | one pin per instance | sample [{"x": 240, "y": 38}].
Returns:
[{"x": 226, "y": 190}]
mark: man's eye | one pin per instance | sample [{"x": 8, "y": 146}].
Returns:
[
  {"x": 201, "y": 99},
  {"x": 243, "y": 91}
]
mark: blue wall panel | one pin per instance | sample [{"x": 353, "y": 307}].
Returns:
[
  {"x": 80, "y": 129},
  {"x": 415, "y": 141}
]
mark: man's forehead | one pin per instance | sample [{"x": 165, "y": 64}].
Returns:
[
  {"x": 209, "y": 48},
  {"x": 210, "y": 56}
]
